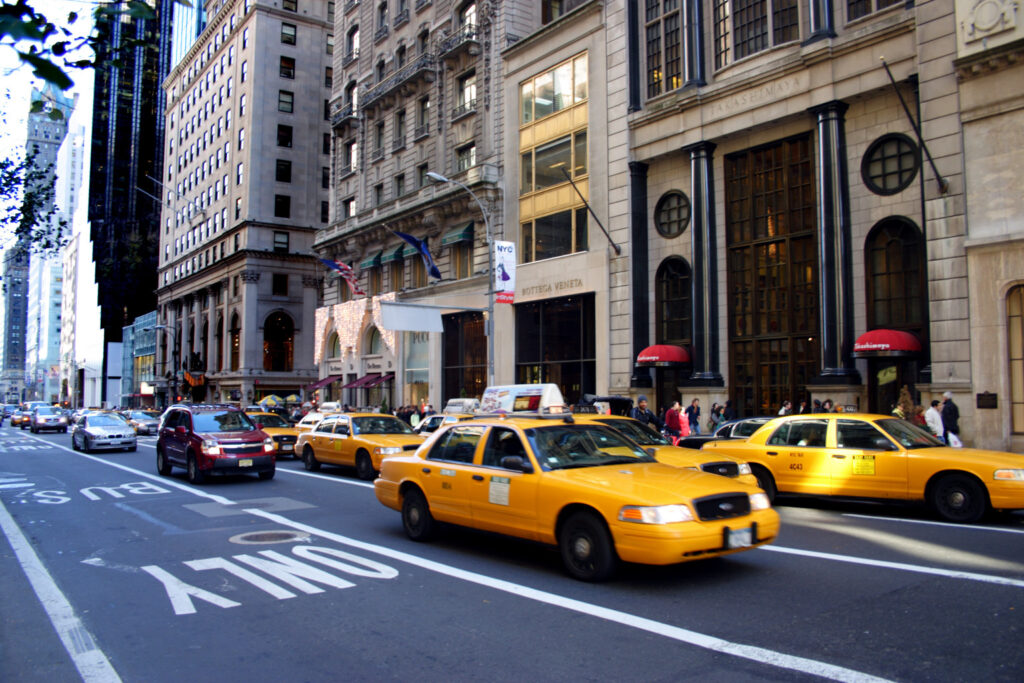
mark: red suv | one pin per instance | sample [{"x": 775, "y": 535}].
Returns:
[{"x": 212, "y": 439}]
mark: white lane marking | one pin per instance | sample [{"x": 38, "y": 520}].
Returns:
[
  {"x": 965, "y": 527},
  {"x": 91, "y": 662},
  {"x": 17, "y": 486},
  {"x": 327, "y": 477},
  {"x": 917, "y": 569}
]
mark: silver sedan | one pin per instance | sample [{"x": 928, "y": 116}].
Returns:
[{"x": 103, "y": 431}]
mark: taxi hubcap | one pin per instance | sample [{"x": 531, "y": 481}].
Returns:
[
  {"x": 414, "y": 516},
  {"x": 581, "y": 547},
  {"x": 957, "y": 499}
]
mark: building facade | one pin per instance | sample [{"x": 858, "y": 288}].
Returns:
[
  {"x": 138, "y": 363},
  {"x": 245, "y": 186}
]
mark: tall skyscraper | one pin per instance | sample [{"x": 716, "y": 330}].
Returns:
[{"x": 126, "y": 162}]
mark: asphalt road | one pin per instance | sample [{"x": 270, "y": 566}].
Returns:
[{"x": 113, "y": 572}]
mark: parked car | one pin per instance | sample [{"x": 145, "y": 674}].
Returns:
[
  {"x": 144, "y": 421},
  {"x": 280, "y": 430},
  {"x": 102, "y": 431},
  {"x": 47, "y": 418},
  {"x": 208, "y": 439},
  {"x": 878, "y": 457},
  {"x": 359, "y": 440},
  {"x": 733, "y": 429}
]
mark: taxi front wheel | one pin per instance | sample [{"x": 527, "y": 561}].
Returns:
[
  {"x": 587, "y": 550},
  {"x": 416, "y": 518},
  {"x": 958, "y": 498}
]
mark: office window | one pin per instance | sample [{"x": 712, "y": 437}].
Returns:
[
  {"x": 400, "y": 57},
  {"x": 328, "y": 77},
  {"x": 421, "y": 175},
  {"x": 746, "y": 27},
  {"x": 542, "y": 166},
  {"x": 330, "y": 43},
  {"x": 238, "y": 175},
  {"x": 241, "y": 139},
  {"x": 466, "y": 94},
  {"x": 326, "y": 147},
  {"x": 855, "y": 9},
  {"x": 348, "y": 208},
  {"x": 290, "y": 5},
  {"x": 462, "y": 260},
  {"x": 282, "y": 206},
  {"x": 325, "y": 177},
  {"x": 378, "y": 139},
  {"x": 374, "y": 277},
  {"x": 327, "y": 109},
  {"x": 284, "y": 135},
  {"x": 423, "y": 117},
  {"x": 245, "y": 70},
  {"x": 378, "y": 194},
  {"x": 281, "y": 242},
  {"x": 554, "y": 90},
  {"x": 330, "y": 12},
  {"x": 238, "y": 208},
  {"x": 288, "y": 34},
  {"x": 284, "y": 171},
  {"x": 241, "y": 106},
  {"x": 465, "y": 157},
  {"x": 399, "y": 185},
  {"x": 555, "y": 235},
  {"x": 285, "y": 101},
  {"x": 662, "y": 34},
  {"x": 399, "y": 132},
  {"x": 279, "y": 284},
  {"x": 325, "y": 211},
  {"x": 350, "y": 156},
  {"x": 287, "y": 67},
  {"x": 1015, "y": 347}
]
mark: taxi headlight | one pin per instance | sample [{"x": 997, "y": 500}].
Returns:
[
  {"x": 759, "y": 501},
  {"x": 661, "y": 514},
  {"x": 211, "y": 447},
  {"x": 744, "y": 468},
  {"x": 1009, "y": 475},
  {"x": 268, "y": 445},
  {"x": 387, "y": 450}
]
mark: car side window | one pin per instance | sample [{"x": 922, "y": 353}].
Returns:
[
  {"x": 780, "y": 437},
  {"x": 809, "y": 433},
  {"x": 861, "y": 435},
  {"x": 502, "y": 442},
  {"x": 458, "y": 444},
  {"x": 341, "y": 427},
  {"x": 326, "y": 426},
  {"x": 173, "y": 420}
]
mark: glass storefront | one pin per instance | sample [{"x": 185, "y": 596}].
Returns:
[
  {"x": 465, "y": 356},
  {"x": 555, "y": 343},
  {"x": 417, "y": 364}
]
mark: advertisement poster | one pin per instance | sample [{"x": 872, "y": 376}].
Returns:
[{"x": 505, "y": 272}]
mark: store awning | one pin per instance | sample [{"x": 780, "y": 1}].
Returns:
[
  {"x": 362, "y": 381},
  {"x": 373, "y": 262},
  {"x": 392, "y": 255},
  {"x": 886, "y": 343},
  {"x": 463, "y": 234},
  {"x": 663, "y": 355},
  {"x": 380, "y": 380},
  {"x": 323, "y": 383}
]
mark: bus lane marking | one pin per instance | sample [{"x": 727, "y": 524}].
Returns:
[{"x": 965, "y": 527}]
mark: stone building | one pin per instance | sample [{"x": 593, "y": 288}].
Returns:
[{"x": 245, "y": 187}]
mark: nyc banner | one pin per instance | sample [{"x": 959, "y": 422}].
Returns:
[{"x": 505, "y": 271}]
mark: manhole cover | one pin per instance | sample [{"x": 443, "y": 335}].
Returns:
[{"x": 264, "y": 537}]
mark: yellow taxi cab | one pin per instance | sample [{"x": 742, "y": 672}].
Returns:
[
  {"x": 577, "y": 485},
  {"x": 279, "y": 429},
  {"x": 665, "y": 452},
  {"x": 878, "y": 456},
  {"x": 357, "y": 440}
]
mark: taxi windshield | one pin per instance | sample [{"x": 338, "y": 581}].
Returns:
[
  {"x": 908, "y": 435},
  {"x": 568, "y": 446},
  {"x": 380, "y": 425},
  {"x": 271, "y": 420},
  {"x": 641, "y": 433}
]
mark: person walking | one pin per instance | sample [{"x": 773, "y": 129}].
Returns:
[
  {"x": 693, "y": 416},
  {"x": 673, "y": 424},
  {"x": 729, "y": 413},
  {"x": 786, "y": 409},
  {"x": 642, "y": 413},
  {"x": 951, "y": 421},
  {"x": 933, "y": 418}
]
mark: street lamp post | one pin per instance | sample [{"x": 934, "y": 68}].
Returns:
[
  {"x": 172, "y": 384},
  {"x": 489, "y": 326}
]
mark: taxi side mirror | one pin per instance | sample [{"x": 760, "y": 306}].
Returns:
[
  {"x": 518, "y": 463},
  {"x": 651, "y": 452}
]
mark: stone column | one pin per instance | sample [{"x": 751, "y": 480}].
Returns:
[
  {"x": 252, "y": 327},
  {"x": 634, "y": 80},
  {"x": 693, "y": 43},
  {"x": 640, "y": 287},
  {"x": 834, "y": 258},
  {"x": 705, "y": 265}
]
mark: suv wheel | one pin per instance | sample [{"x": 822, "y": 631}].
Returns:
[
  {"x": 195, "y": 475},
  {"x": 162, "y": 466},
  {"x": 267, "y": 475}
]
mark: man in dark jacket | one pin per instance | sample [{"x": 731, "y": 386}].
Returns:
[
  {"x": 643, "y": 414},
  {"x": 950, "y": 417}
]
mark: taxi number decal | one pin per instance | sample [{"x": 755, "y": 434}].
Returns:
[
  {"x": 498, "y": 491},
  {"x": 863, "y": 464},
  {"x": 447, "y": 473},
  {"x": 796, "y": 465}
]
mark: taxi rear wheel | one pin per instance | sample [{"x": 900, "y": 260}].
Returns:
[
  {"x": 309, "y": 460},
  {"x": 416, "y": 518},
  {"x": 587, "y": 550},
  {"x": 364, "y": 466},
  {"x": 958, "y": 498}
]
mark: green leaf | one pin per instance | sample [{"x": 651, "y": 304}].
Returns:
[
  {"x": 72, "y": 17},
  {"x": 47, "y": 70}
]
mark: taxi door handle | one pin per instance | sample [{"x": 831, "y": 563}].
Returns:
[
  {"x": 426, "y": 470},
  {"x": 478, "y": 477},
  {"x": 837, "y": 456},
  {"x": 771, "y": 452}
]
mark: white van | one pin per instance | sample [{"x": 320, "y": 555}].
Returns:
[{"x": 330, "y": 407}]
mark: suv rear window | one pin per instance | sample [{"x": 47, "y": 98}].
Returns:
[{"x": 222, "y": 421}]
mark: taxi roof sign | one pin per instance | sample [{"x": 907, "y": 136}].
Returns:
[{"x": 523, "y": 398}]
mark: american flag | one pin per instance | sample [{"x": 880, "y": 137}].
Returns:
[{"x": 346, "y": 272}]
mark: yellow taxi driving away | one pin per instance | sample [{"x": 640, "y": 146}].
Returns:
[
  {"x": 665, "y": 452},
  {"x": 580, "y": 486},
  {"x": 357, "y": 440},
  {"x": 279, "y": 429},
  {"x": 878, "y": 456}
]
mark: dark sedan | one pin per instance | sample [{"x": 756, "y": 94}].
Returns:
[{"x": 734, "y": 429}]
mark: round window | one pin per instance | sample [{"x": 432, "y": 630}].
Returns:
[
  {"x": 890, "y": 164},
  {"x": 672, "y": 214}
]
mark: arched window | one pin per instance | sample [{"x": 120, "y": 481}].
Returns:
[
  {"x": 333, "y": 347},
  {"x": 1015, "y": 339},
  {"x": 236, "y": 342},
  {"x": 374, "y": 342},
  {"x": 381, "y": 70},
  {"x": 382, "y": 16},
  {"x": 400, "y": 57},
  {"x": 467, "y": 15},
  {"x": 352, "y": 43},
  {"x": 278, "y": 342},
  {"x": 351, "y": 94},
  {"x": 895, "y": 267},
  {"x": 673, "y": 305}
]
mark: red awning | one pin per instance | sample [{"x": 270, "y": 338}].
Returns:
[
  {"x": 661, "y": 355},
  {"x": 377, "y": 382},
  {"x": 362, "y": 381},
  {"x": 884, "y": 342},
  {"x": 323, "y": 383}
]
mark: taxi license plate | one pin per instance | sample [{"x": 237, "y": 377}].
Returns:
[
  {"x": 739, "y": 538},
  {"x": 287, "y": 447},
  {"x": 247, "y": 462}
]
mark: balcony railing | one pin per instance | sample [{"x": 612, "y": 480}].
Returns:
[
  {"x": 464, "y": 109},
  {"x": 341, "y": 113},
  {"x": 351, "y": 5},
  {"x": 421, "y": 132},
  {"x": 401, "y": 18},
  {"x": 466, "y": 37},
  {"x": 398, "y": 144},
  {"x": 424, "y": 64},
  {"x": 381, "y": 33},
  {"x": 420, "y": 4},
  {"x": 350, "y": 57},
  {"x": 377, "y": 154}
]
